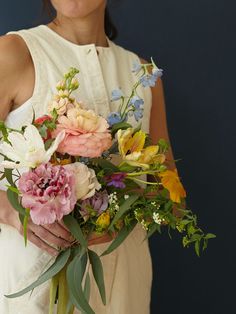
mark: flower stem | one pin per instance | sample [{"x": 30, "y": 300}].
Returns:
[{"x": 145, "y": 182}]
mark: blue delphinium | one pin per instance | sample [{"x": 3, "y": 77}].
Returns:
[
  {"x": 116, "y": 94},
  {"x": 149, "y": 80},
  {"x": 136, "y": 101},
  {"x": 157, "y": 72},
  {"x": 138, "y": 114},
  {"x": 137, "y": 105},
  {"x": 114, "y": 117}
]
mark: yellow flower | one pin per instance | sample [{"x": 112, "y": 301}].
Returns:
[
  {"x": 171, "y": 182},
  {"x": 132, "y": 151},
  {"x": 103, "y": 220}
]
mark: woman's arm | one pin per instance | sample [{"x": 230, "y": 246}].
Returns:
[{"x": 158, "y": 121}]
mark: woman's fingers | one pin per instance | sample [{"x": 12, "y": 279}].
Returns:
[
  {"x": 41, "y": 244},
  {"x": 59, "y": 231},
  {"x": 99, "y": 239},
  {"x": 49, "y": 237}
]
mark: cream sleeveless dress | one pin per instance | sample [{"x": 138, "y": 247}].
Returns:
[{"x": 128, "y": 270}]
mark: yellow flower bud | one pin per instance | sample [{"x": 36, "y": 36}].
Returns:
[{"x": 103, "y": 220}]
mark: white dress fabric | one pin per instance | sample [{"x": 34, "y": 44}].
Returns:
[{"x": 128, "y": 270}]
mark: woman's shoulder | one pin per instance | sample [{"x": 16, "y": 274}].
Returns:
[
  {"x": 13, "y": 52},
  {"x": 15, "y": 61}
]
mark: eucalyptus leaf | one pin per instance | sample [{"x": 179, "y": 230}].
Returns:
[
  {"x": 87, "y": 287},
  {"x": 98, "y": 273},
  {"x": 75, "y": 229},
  {"x": 25, "y": 224},
  {"x": 53, "y": 293},
  {"x": 122, "y": 235},
  {"x": 123, "y": 209},
  {"x": 59, "y": 263},
  {"x": 75, "y": 273}
]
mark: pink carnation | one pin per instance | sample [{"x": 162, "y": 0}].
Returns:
[
  {"x": 49, "y": 192},
  {"x": 87, "y": 134}
]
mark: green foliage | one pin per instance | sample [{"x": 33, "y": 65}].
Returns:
[
  {"x": 119, "y": 126},
  {"x": 75, "y": 229},
  {"x": 122, "y": 235},
  {"x": 25, "y": 224},
  {"x": 105, "y": 165},
  {"x": 4, "y": 131},
  {"x": 163, "y": 145},
  {"x": 14, "y": 201},
  {"x": 59, "y": 263},
  {"x": 98, "y": 273},
  {"x": 123, "y": 209},
  {"x": 75, "y": 274}
]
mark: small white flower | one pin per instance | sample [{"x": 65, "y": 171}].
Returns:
[
  {"x": 157, "y": 219},
  {"x": 144, "y": 225},
  {"x": 126, "y": 196}
]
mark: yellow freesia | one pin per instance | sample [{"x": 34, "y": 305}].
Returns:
[{"x": 170, "y": 180}]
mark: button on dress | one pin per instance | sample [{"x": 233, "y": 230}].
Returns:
[{"x": 127, "y": 270}]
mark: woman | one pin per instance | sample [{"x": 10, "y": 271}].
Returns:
[{"x": 32, "y": 61}]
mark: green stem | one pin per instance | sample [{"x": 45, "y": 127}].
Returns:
[
  {"x": 133, "y": 174},
  {"x": 145, "y": 182}
]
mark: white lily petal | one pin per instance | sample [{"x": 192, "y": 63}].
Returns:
[
  {"x": 55, "y": 144},
  {"x": 9, "y": 165},
  {"x": 35, "y": 158},
  {"x": 9, "y": 152},
  {"x": 18, "y": 143},
  {"x": 33, "y": 138}
]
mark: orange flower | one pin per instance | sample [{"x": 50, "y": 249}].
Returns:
[{"x": 171, "y": 182}]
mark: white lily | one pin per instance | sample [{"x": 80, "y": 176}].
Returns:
[{"x": 27, "y": 150}]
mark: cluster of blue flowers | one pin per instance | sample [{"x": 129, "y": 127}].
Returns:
[{"x": 134, "y": 107}]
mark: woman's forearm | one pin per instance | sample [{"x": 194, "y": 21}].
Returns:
[{"x": 8, "y": 214}]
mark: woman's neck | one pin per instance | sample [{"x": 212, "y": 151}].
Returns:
[{"x": 89, "y": 30}]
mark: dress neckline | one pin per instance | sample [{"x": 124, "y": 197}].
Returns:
[{"x": 52, "y": 32}]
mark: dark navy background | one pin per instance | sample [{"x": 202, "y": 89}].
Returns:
[{"x": 194, "y": 42}]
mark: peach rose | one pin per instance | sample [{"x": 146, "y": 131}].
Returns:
[
  {"x": 86, "y": 183},
  {"x": 87, "y": 134}
]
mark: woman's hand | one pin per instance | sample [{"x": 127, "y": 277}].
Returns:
[
  {"x": 94, "y": 238},
  {"x": 50, "y": 238}
]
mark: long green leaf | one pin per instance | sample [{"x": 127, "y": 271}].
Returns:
[
  {"x": 14, "y": 201},
  {"x": 63, "y": 296},
  {"x": 25, "y": 224},
  {"x": 87, "y": 287},
  {"x": 59, "y": 263},
  {"x": 123, "y": 209},
  {"x": 122, "y": 235},
  {"x": 98, "y": 273},
  {"x": 53, "y": 293},
  {"x": 75, "y": 229},
  {"x": 75, "y": 273}
]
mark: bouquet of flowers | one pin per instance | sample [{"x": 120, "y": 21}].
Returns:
[{"x": 67, "y": 173}]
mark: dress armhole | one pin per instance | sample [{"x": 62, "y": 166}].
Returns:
[{"x": 29, "y": 42}]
